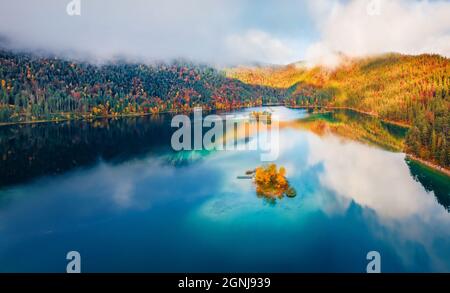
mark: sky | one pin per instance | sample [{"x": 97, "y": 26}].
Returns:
[{"x": 225, "y": 32}]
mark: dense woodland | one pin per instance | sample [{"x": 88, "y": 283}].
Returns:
[
  {"x": 49, "y": 88},
  {"x": 411, "y": 90}
]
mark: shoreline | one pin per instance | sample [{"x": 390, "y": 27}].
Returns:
[
  {"x": 430, "y": 165},
  {"x": 88, "y": 118},
  {"x": 400, "y": 124}
]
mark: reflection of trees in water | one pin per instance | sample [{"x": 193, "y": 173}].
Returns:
[
  {"x": 355, "y": 126},
  {"x": 32, "y": 150},
  {"x": 183, "y": 158},
  {"x": 432, "y": 181},
  {"x": 28, "y": 151},
  {"x": 373, "y": 131}
]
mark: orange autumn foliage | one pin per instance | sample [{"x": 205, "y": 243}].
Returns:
[{"x": 270, "y": 181}]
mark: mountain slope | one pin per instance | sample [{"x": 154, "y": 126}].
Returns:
[
  {"x": 35, "y": 88},
  {"x": 412, "y": 90}
]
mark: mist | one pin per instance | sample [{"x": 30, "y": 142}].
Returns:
[
  {"x": 361, "y": 28},
  {"x": 225, "y": 32}
]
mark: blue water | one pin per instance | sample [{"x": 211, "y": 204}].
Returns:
[{"x": 141, "y": 207}]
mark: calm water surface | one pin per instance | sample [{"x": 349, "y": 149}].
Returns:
[{"x": 117, "y": 193}]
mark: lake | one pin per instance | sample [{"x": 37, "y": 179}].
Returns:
[{"x": 115, "y": 191}]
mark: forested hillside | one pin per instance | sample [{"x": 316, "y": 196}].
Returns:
[
  {"x": 412, "y": 90},
  {"x": 275, "y": 76},
  {"x": 47, "y": 88}
]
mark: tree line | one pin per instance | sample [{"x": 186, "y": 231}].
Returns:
[
  {"x": 35, "y": 88},
  {"x": 411, "y": 90}
]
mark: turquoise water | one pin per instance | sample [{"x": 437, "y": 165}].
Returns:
[{"x": 116, "y": 192}]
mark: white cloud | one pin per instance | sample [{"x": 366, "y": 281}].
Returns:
[
  {"x": 198, "y": 30},
  {"x": 149, "y": 30},
  {"x": 409, "y": 27},
  {"x": 392, "y": 198},
  {"x": 226, "y": 31},
  {"x": 395, "y": 195},
  {"x": 257, "y": 45}
]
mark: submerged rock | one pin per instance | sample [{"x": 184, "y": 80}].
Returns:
[{"x": 290, "y": 192}]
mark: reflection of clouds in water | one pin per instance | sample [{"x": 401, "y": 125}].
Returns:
[
  {"x": 82, "y": 197},
  {"x": 284, "y": 114},
  {"x": 225, "y": 161},
  {"x": 329, "y": 174},
  {"x": 236, "y": 197},
  {"x": 124, "y": 193},
  {"x": 404, "y": 212},
  {"x": 144, "y": 183},
  {"x": 293, "y": 151},
  {"x": 371, "y": 177}
]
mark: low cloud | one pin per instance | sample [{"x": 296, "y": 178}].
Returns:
[
  {"x": 365, "y": 27},
  {"x": 107, "y": 29},
  {"x": 259, "y": 45},
  {"x": 216, "y": 32},
  {"x": 225, "y": 32}
]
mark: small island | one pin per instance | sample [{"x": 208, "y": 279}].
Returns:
[
  {"x": 264, "y": 116},
  {"x": 271, "y": 183}
]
